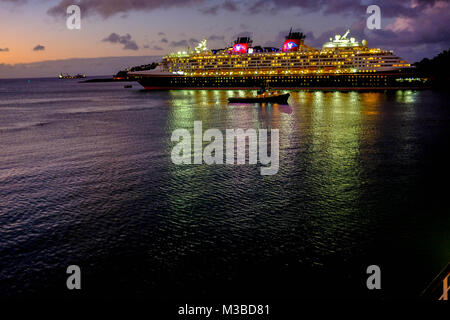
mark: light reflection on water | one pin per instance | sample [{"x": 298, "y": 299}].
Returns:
[{"x": 97, "y": 187}]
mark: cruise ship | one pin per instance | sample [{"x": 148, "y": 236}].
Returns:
[{"x": 342, "y": 63}]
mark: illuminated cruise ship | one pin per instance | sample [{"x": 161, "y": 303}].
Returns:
[{"x": 342, "y": 63}]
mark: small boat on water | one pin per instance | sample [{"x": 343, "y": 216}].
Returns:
[
  {"x": 263, "y": 96},
  {"x": 68, "y": 76}
]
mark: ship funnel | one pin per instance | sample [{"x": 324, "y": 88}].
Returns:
[
  {"x": 242, "y": 44},
  {"x": 294, "y": 40}
]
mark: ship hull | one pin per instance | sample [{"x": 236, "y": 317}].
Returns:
[
  {"x": 282, "y": 98},
  {"x": 358, "y": 81}
]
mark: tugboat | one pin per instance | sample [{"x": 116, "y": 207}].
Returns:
[{"x": 264, "y": 95}]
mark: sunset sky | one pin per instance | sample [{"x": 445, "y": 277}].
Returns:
[{"x": 34, "y": 32}]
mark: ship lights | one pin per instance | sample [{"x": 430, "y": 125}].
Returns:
[{"x": 327, "y": 61}]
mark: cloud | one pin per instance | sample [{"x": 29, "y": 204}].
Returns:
[
  {"x": 227, "y": 5},
  {"x": 126, "y": 40},
  {"x": 184, "y": 43},
  {"x": 161, "y": 33},
  {"x": 415, "y": 37},
  {"x": 155, "y": 47},
  {"x": 109, "y": 8},
  {"x": 4, "y": 49},
  {"x": 389, "y": 8},
  {"x": 39, "y": 48},
  {"x": 181, "y": 43},
  {"x": 164, "y": 40}
]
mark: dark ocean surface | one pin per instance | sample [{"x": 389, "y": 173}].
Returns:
[{"x": 86, "y": 178}]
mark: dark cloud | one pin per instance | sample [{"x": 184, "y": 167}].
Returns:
[
  {"x": 155, "y": 47},
  {"x": 164, "y": 40},
  {"x": 126, "y": 40},
  {"x": 210, "y": 10},
  {"x": 227, "y": 5},
  {"x": 161, "y": 33},
  {"x": 4, "y": 49},
  {"x": 39, "y": 48},
  {"x": 184, "y": 43},
  {"x": 108, "y": 8},
  {"x": 181, "y": 43},
  {"x": 404, "y": 8},
  {"x": 429, "y": 28},
  {"x": 389, "y": 8},
  {"x": 426, "y": 34}
]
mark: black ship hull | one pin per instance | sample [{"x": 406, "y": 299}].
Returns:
[
  {"x": 282, "y": 98},
  {"x": 356, "y": 81}
]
